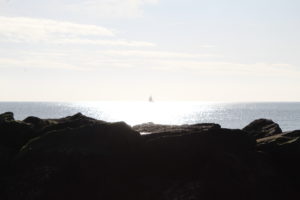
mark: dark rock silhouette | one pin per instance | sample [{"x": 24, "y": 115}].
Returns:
[
  {"x": 78, "y": 157},
  {"x": 284, "y": 149},
  {"x": 262, "y": 128},
  {"x": 13, "y": 133}
]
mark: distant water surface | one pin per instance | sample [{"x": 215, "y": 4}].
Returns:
[{"x": 228, "y": 115}]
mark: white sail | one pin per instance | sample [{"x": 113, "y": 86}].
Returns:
[{"x": 151, "y": 99}]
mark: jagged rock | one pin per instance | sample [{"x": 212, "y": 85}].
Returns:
[
  {"x": 74, "y": 121},
  {"x": 13, "y": 134},
  {"x": 262, "y": 128},
  {"x": 36, "y": 122},
  {"x": 6, "y": 117}
]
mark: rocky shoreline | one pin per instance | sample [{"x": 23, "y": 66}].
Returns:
[{"x": 78, "y": 157}]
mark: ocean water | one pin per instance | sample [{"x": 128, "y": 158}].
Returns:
[{"x": 228, "y": 115}]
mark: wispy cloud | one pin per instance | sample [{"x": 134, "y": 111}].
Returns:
[
  {"x": 93, "y": 9},
  {"x": 38, "y": 63},
  {"x": 45, "y": 28},
  {"x": 224, "y": 68},
  {"x": 145, "y": 54},
  {"x": 111, "y": 8},
  {"x": 33, "y": 30},
  {"x": 116, "y": 42},
  {"x": 77, "y": 60},
  {"x": 208, "y": 46}
]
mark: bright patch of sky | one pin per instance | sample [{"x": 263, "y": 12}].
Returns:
[{"x": 78, "y": 50}]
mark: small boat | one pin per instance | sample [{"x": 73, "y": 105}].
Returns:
[{"x": 151, "y": 99}]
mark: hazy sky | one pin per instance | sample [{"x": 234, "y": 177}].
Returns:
[{"x": 191, "y": 50}]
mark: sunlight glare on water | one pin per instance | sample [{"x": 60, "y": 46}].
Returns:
[{"x": 140, "y": 112}]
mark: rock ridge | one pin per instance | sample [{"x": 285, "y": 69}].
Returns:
[{"x": 78, "y": 157}]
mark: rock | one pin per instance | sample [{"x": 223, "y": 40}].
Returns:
[
  {"x": 42, "y": 126},
  {"x": 285, "y": 143},
  {"x": 6, "y": 117},
  {"x": 13, "y": 134},
  {"x": 284, "y": 150},
  {"x": 94, "y": 160},
  {"x": 88, "y": 139},
  {"x": 36, "y": 122},
  {"x": 158, "y": 128},
  {"x": 262, "y": 128},
  {"x": 191, "y": 149},
  {"x": 295, "y": 133},
  {"x": 6, "y": 156},
  {"x": 206, "y": 164},
  {"x": 76, "y": 163},
  {"x": 74, "y": 121},
  {"x": 199, "y": 161},
  {"x": 78, "y": 157}
]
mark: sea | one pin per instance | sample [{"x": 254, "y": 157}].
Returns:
[{"x": 228, "y": 115}]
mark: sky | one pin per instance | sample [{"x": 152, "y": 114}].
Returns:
[{"x": 127, "y": 50}]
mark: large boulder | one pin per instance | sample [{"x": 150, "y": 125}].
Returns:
[
  {"x": 13, "y": 134},
  {"x": 76, "y": 163},
  {"x": 17, "y": 135},
  {"x": 46, "y": 125},
  {"x": 262, "y": 128},
  {"x": 285, "y": 144},
  {"x": 37, "y": 123},
  {"x": 191, "y": 150},
  {"x": 205, "y": 163},
  {"x": 284, "y": 151},
  {"x": 6, "y": 117}
]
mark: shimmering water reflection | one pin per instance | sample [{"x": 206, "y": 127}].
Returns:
[
  {"x": 141, "y": 112},
  {"x": 229, "y": 115}
]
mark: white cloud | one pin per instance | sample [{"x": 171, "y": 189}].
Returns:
[
  {"x": 208, "y": 46},
  {"x": 37, "y": 63},
  {"x": 116, "y": 42},
  {"x": 40, "y": 29},
  {"x": 92, "y": 9},
  {"x": 173, "y": 62},
  {"x": 111, "y": 8},
  {"x": 31, "y": 30},
  {"x": 154, "y": 54},
  {"x": 229, "y": 68}
]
